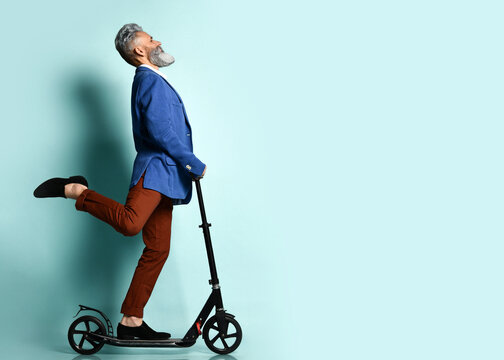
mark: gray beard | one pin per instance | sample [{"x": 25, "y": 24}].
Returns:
[{"x": 159, "y": 58}]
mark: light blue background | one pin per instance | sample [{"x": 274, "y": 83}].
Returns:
[{"x": 354, "y": 177}]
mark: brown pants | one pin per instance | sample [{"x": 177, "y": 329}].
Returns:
[{"x": 145, "y": 210}]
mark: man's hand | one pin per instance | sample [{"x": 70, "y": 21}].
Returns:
[{"x": 197, "y": 177}]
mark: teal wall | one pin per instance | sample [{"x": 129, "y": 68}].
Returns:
[{"x": 354, "y": 179}]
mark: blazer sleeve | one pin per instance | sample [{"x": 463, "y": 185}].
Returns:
[{"x": 155, "y": 105}]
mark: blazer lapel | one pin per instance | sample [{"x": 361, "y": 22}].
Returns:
[{"x": 143, "y": 68}]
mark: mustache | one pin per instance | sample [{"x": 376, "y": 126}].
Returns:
[{"x": 158, "y": 50}]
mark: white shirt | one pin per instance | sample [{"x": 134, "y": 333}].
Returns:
[{"x": 156, "y": 71}]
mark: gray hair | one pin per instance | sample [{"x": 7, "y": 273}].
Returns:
[{"x": 124, "y": 41}]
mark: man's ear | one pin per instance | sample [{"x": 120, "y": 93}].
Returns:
[{"x": 138, "y": 51}]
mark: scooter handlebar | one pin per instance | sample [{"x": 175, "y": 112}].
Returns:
[{"x": 198, "y": 177}]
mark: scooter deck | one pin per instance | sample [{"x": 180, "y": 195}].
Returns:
[{"x": 143, "y": 343}]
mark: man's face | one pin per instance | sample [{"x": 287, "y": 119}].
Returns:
[{"x": 152, "y": 50}]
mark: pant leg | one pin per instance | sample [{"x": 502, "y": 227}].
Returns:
[
  {"x": 145, "y": 209},
  {"x": 156, "y": 236},
  {"x": 128, "y": 219}
]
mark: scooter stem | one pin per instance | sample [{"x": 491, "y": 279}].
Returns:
[{"x": 214, "y": 281}]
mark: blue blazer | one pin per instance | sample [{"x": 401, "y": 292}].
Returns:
[{"x": 163, "y": 138}]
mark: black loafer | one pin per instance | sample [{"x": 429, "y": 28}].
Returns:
[
  {"x": 142, "y": 332},
  {"x": 55, "y": 187}
]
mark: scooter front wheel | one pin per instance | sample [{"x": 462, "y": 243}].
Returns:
[
  {"x": 80, "y": 335},
  {"x": 222, "y": 336}
]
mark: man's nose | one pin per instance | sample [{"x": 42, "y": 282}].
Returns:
[{"x": 158, "y": 43}]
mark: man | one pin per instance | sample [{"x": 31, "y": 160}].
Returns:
[{"x": 162, "y": 174}]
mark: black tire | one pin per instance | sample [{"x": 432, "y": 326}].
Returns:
[
  {"x": 217, "y": 338},
  {"x": 78, "y": 335}
]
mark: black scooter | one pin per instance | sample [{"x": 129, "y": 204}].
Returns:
[{"x": 221, "y": 332}]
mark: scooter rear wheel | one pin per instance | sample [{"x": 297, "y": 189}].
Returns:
[
  {"x": 79, "y": 335},
  {"x": 222, "y": 337}
]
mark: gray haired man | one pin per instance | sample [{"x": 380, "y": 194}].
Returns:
[{"x": 162, "y": 174}]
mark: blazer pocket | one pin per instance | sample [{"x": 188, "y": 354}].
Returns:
[
  {"x": 177, "y": 109},
  {"x": 169, "y": 161}
]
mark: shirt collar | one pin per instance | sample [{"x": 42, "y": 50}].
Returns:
[{"x": 156, "y": 71}]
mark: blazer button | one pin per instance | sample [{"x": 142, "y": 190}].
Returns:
[
  {"x": 188, "y": 167},
  {"x": 188, "y": 134}
]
